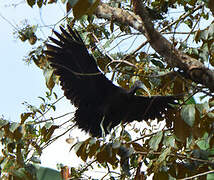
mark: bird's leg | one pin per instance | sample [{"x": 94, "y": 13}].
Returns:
[{"x": 101, "y": 126}]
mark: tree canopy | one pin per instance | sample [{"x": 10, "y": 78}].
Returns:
[{"x": 169, "y": 46}]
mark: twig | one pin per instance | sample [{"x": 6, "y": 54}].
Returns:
[
  {"x": 181, "y": 18},
  {"x": 148, "y": 135},
  {"x": 173, "y": 155},
  {"x": 55, "y": 138},
  {"x": 51, "y": 119},
  {"x": 198, "y": 175},
  {"x": 121, "y": 61}
]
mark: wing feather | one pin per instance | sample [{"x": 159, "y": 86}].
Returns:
[
  {"x": 96, "y": 97},
  {"x": 145, "y": 108},
  {"x": 81, "y": 80}
]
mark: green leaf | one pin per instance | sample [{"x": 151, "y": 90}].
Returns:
[
  {"x": 211, "y": 30},
  {"x": 210, "y": 176},
  {"x": 203, "y": 143},
  {"x": 163, "y": 155},
  {"x": 21, "y": 173},
  {"x": 14, "y": 126},
  {"x": 155, "y": 141},
  {"x": 3, "y": 122},
  {"x": 210, "y": 115},
  {"x": 48, "y": 125},
  {"x": 48, "y": 174},
  {"x": 73, "y": 2},
  {"x": 188, "y": 114},
  {"x": 169, "y": 141},
  {"x": 191, "y": 101}
]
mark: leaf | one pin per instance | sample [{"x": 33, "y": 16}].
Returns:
[
  {"x": 188, "y": 114},
  {"x": 70, "y": 140},
  {"x": 68, "y": 7},
  {"x": 20, "y": 173},
  {"x": 107, "y": 154},
  {"x": 157, "y": 63},
  {"x": 48, "y": 125},
  {"x": 48, "y": 174},
  {"x": 31, "y": 3},
  {"x": 203, "y": 143},
  {"x": 39, "y": 3},
  {"x": 93, "y": 7},
  {"x": 83, "y": 7},
  {"x": 211, "y": 30},
  {"x": 210, "y": 176},
  {"x": 142, "y": 85},
  {"x": 49, "y": 75},
  {"x": 211, "y": 6},
  {"x": 14, "y": 126},
  {"x": 54, "y": 1},
  {"x": 73, "y": 2},
  {"x": 50, "y": 132},
  {"x": 81, "y": 152},
  {"x": 116, "y": 144},
  {"x": 155, "y": 141},
  {"x": 25, "y": 116},
  {"x": 137, "y": 147},
  {"x": 3, "y": 122},
  {"x": 163, "y": 155},
  {"x": 18, "y": 133},
  {"x": 35, "y": 159},
  {"x": 191, "y": 101},
  {"x": 161, "y": 176},
  {"x": 169, "y": 141},
  {"x": 94, "y": 149},
  {"x": 189, "y": 23},
  {"x": 203, "y": 108},
  {"x": 181, "y": 128},
  {"x": 80, "y": 8},
  {"x": 178, "y": 87}
]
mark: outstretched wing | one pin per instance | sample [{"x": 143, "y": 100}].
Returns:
[
  {"x": 97, "y": 99},
  {"x": 81, "y": 80},
  {"x": 144, "y": 108}
]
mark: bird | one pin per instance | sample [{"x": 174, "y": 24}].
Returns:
[{"x": 100, "y": 104}]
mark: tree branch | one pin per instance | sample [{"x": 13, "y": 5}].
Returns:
[{"x": 191, "y": 68}]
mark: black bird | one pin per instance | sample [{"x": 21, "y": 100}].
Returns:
[{"x": 101, "y": 105}]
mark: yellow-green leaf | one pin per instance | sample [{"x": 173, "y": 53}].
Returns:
[{"x": 188, "y": 114}]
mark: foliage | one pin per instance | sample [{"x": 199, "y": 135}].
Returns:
[{"x": 181, "y": 148}]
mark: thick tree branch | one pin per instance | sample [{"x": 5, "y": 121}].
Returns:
[
  {"x": 191, "y": 68},
  {"x": 121, "y": 16}
]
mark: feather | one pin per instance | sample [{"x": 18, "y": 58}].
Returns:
[{"x": 100, "y": 103}]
